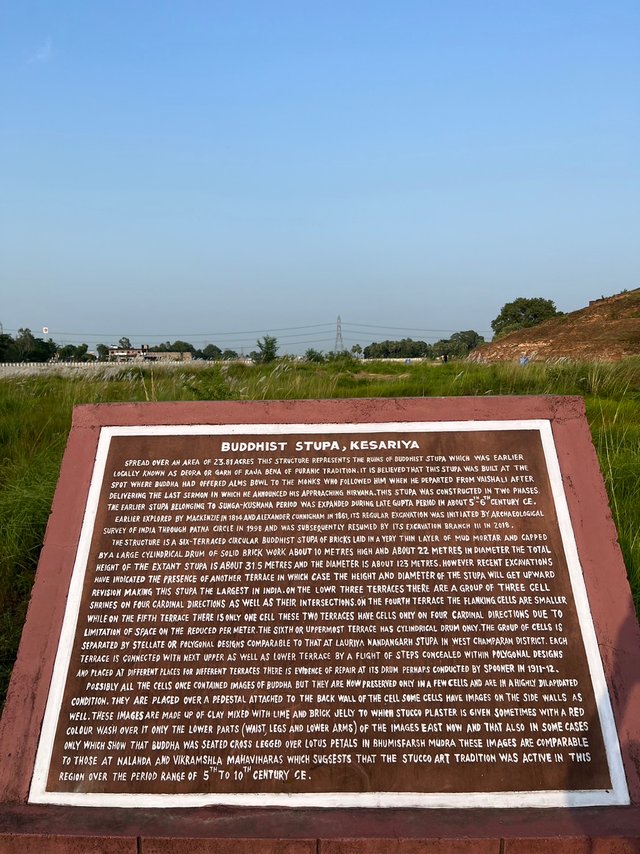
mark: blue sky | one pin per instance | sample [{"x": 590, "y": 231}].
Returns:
[{"x": 220, "y": 170}]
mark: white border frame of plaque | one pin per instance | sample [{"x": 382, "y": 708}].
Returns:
[{"x": 618, "y": 795}]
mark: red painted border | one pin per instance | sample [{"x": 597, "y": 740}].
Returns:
[{"x": 614, "y": 618}]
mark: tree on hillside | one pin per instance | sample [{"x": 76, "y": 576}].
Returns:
[
  {"x": 267, "y": 350},
  {"x": 459, "y": 345},
  {"x": 407, "y": 348},
  {"x": 522, "y": 313}
]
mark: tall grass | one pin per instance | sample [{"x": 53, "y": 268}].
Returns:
[{"x": 36, "y": 416}]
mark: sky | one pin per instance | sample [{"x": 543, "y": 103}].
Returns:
[{"x": 217, "y": 171}]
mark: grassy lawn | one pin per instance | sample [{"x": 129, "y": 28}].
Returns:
[{"x": 36, "y": 417}]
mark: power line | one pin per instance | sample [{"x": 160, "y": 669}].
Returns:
[
  {"x": 176, "y": 335},
  {"x": 219, "y": 334},
  {"x": 287, "y": 335},
  {"x": 401, "y": 328}
]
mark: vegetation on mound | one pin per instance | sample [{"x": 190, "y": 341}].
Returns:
[{"x": 608, "y": 329}]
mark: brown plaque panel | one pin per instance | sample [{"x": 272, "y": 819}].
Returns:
[{"x": 388, "y": 614}]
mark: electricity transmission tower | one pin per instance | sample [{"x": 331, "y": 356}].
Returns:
[{"x": 339, "y": 346}]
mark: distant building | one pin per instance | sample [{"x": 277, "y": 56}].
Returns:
[{"x": 143, "y": 354}]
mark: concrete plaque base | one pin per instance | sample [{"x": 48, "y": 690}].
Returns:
[{"x": 339, "y": 626}]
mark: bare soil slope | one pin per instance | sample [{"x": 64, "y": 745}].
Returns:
[{"x": 607, "y": 330}]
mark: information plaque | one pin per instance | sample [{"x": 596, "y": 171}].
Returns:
[{"x": 348, "y": 614}]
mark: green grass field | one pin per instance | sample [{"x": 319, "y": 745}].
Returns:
[{"x": 36, "y": 417}]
